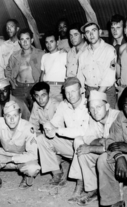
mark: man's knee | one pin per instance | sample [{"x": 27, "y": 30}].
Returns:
[
  {"x": 77, "y": 142},
  {"x": 31, "y": 168}
]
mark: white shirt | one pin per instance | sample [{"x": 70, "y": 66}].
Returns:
[
  {"x": 98, "y": 66},
  {"x": 54, "y": 66},
  {"x": 6, "y": 50}
]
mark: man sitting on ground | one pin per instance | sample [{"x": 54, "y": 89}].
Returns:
[
  {"x": 5, "y": 96},
  {"x": 88, "y": 151},
  {"x": 44, "y": 107},
  {"x": 18, "y": 144}
]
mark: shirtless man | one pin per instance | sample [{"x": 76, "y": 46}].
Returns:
[{"x": 24, "y": 67}]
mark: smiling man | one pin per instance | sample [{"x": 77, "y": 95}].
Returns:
[
  {"x": 97, "y": 63},
  {"x": 18, "y": 144},
  {"x": 44, "y": 107},
  {"x": 24, "y": 67}
]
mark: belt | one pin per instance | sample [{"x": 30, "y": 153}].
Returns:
[
  {"x": 24, "y": 84},
  {"x": 55, "y": 83}
]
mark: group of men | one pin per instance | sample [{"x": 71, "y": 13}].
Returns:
[{"x": 67, "y": 97}]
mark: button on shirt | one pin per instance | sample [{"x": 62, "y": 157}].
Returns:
[
  {"x": 76, "y": 120},
  {"x": 98, "y": 66},
  {"x": 40, "y": 116},
  {"x": 54, "y": 66},
  {"x": 6, "y": 50},
  {"x": 22, "y": 144}
]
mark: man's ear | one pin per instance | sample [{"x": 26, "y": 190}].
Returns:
[
  {"x": 107, "y": 106},
  {"x": 17, "y": 29},
  {"x": 100, "y": 32}
]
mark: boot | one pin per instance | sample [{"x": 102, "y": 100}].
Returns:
[
  {"x": 90, "y": 197},
  {"x": 26, "y": 182},
  {"x": 77, "y": 192}
]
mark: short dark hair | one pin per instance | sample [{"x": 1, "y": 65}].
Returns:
[
  {"x": 122, "y": 99},
  {"x": 38, "y": 87},
  {"x": 63, "y": 19},
  {"x": 76, "y": 26},
  {"x": 49, "y": 34},
  {"x": 117, "y": 18},
  {"x": 14, "y": 21},
  {"x": 24, "y": 31}
]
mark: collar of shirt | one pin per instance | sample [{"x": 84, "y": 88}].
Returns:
[
  {"x": 102, "y": 42},
  {"x": 9, "y": 42},
  {"x": 81, "y": 49}
]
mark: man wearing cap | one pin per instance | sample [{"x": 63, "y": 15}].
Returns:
[
  {"x": 5, "y": 96},
  {"x": 79, "y": 45},
  {"x": 91, "y": 146},
  {"x": 70, "y": 121},
  {"x": 18, "y": 144},
  {"x": 98, "y": 63},
  {"x": 112, "y": 165}
]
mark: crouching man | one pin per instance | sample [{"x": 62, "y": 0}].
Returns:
[{"x": 18, "y": 144}]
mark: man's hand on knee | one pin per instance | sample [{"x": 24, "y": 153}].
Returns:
[{"x": 121, "y": 168}]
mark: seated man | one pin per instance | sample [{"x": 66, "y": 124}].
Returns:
[
  {"x": 18, "y": 144},
  {"x": 44, "y": 107},
  {"x": 5, "y": 96},
  {"x": 71, "y": 113},
  {"x": 24, "y": 67},
  {"x": 112, "y": 165},
  {"x": 88, "y": 151}
]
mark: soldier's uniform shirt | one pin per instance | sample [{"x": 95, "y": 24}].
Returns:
[
  {"x": 73, "y": 63},
  {"x": 6, "y": 50},
  {"x": 22, "y": 144},
  {"x": 84, "y": 167},
  {"x": 76, "y": 120},
  {"x": 40, "y": 116},
  {"x": 98, "y": 66}
]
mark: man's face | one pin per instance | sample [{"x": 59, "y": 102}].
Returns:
[
  {"x": 73, "y": 93},
  {"x": 62, "y": 29},
  {"x": 97, "y": 109},
  {"x": 51, "y": 44},
  {"x": 75, "y": 37},
  {"x": 12, "y": 119},
  {"x": 92, "y": 34},
  {"x": 25, "y": 41},
  {"x": 11, "y": 29},
  {"x": 117, "y": 29},
  {"x": 4, "y": 94},
  {"x": 42, "y": 97}
]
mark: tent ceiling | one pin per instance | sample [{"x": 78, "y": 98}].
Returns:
[{"x": 47, "y": 12}]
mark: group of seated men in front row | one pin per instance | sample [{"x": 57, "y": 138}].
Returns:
[{"x": 88, "y": 132}]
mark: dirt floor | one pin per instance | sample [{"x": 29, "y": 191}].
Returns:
[{"x": 39, "y": 195}]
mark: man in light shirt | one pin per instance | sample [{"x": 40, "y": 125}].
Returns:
[
  {"x": 18, "y": 144},
  {"x": 53, "y": 66},
  {"x": 98, "y": 63},
  {"x": 9, "y": 46},
  {"x": 88, "y": 150},
  {"x": 79, "y": 46},
  {"x": 44, "y": 107},
  {"x": 69, "y": 122}
]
